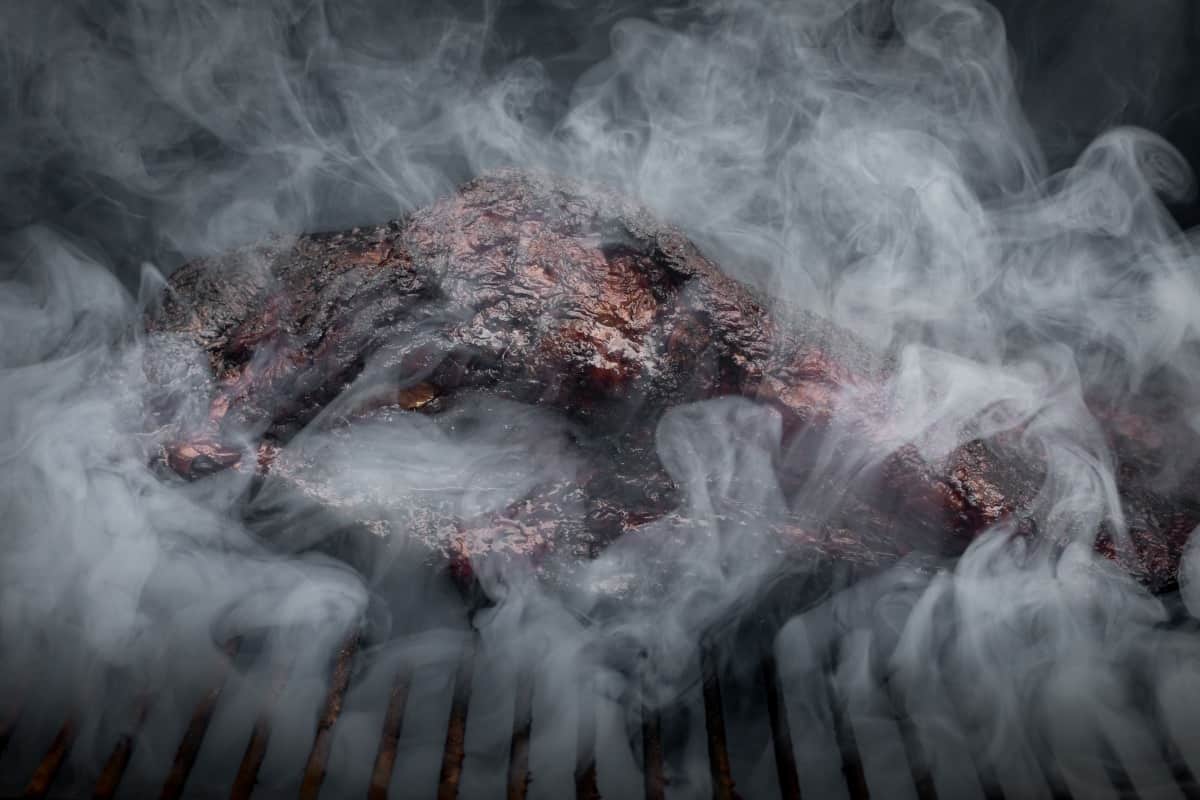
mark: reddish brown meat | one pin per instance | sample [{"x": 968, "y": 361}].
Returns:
[{"x": 536, "y": 290}]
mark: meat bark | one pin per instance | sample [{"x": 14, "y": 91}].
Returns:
[{"x": 538, "y": 291}]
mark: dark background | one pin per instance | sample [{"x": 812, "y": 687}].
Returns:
[{"x": 1081, "y": 65}]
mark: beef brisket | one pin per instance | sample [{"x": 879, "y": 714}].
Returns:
[{"x": 533, "y": 291}]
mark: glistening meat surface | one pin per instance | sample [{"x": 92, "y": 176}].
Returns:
[{"x": 574, "y": 312}]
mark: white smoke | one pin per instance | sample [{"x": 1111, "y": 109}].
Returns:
[{"x": 869, "y": 162}]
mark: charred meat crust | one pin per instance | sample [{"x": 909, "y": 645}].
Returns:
[{"x": 539, "y": 289}]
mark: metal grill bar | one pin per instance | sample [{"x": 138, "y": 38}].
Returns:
[
  {"x": 193, "y": 737},
  {"x": 456, "y": 730},
  {"x": 260, "y": 738},
  {"x": 1174, "y": 759},
  {"x": 46, "y": 771},
  {"x": 519, "y": 774},
  {"x": 985, "y": 773},
  {"x": 652, "y": 755},
  {"x": 587, "y": 786},
  {"x": 393, "y": 721},
  {"x": 1056, "y": 782},
  {"x": 852, "y": 767},
  {"x": 989, "y": 781},
  {"x": 1180, "y": 771},
  {"x": 1113, "y": 768},
  {"x": 714, "y": 725},
  {"x": 518, "y": 754},
  {"x": 914, "y": 751},
  {"x": 781, "y": 733},
  {"x": 318, "y": 757},
  {"x": 114, "y": 768}
]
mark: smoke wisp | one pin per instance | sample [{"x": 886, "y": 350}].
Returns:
[{"x": 869, "y": 162}]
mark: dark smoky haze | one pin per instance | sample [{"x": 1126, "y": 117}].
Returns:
[{"x": 999, "y": 195}]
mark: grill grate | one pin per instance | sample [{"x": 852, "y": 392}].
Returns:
[
  {"x": 652, "y": 755},
  {"x": 314, "y": 770},
  {"x": 193, "y": 737},
  {"x": 518, "y": 761},
  {"x": 385, "y": 759},
  {"x": 260, "y": 737},
  {"x": 46, "y": 771},
  {"x": 519, "y": 774},
  {"x": 456, "y": 729},
  {"x": 114, "y": 768}
]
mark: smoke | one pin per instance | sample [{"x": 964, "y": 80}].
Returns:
[{"x": 870, "y": 162}]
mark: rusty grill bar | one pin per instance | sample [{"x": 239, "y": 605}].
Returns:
[
  {"x": 193, "y": 737},
  {"x": 114, "y": 768},
  {"x": 44, "y": 775},
  {"x": 260, "y": 737},
  {"x": 781, "y": 733},
  {"x": 654, "y": 779},
  {"x": 518, "y": 754},
  {"x": 389, "y": 740},
  {"x": 714, "y": 726},
  {"x": 314, "y": 770},
  {"x": 456, "y": 729},
  {"x": 586, "y": 787},
  {"x": 519, "y": 776},
  {"x": 913, "y": 749}
]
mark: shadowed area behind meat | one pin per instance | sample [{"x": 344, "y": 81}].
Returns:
[{"x": 576, "y": 306}]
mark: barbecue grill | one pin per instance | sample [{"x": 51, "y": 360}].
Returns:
[
  {"x": 801, "y": 711},
  {"x": 977, "y": 319}
]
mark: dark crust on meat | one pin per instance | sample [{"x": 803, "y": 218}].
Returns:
[{"x": 541, "y": 290}]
